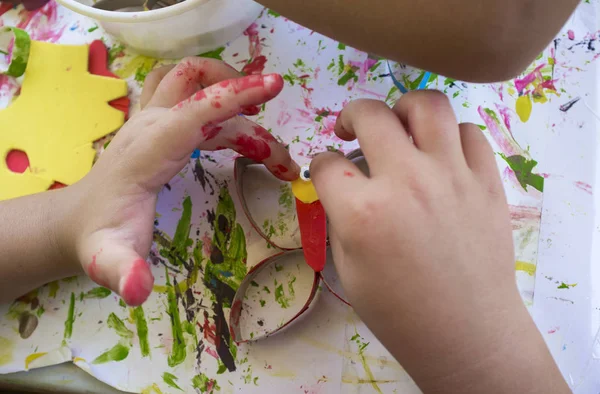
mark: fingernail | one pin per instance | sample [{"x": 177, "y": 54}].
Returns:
[{"x": 273, "y": 82}]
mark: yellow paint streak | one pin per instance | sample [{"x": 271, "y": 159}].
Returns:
[
  {"x": 152, "y": 389},
  {"x": 134, "y": 64},
  {"x": 525, "y": 267},
  {"x": 282, "y": 373},
  {"x": 6, "y": 351},
  {"x": 350, "y": 355},
  {"x": 34, "y": 356},
  {"x": 183, "y": 286},
  {"x": 357, "y": 380},
  {"x": 371, "y": 378},
  {"x": 79, "y": 359},
  {"x": 304, "y": 191},
  {"x": 524, "y": 107}
]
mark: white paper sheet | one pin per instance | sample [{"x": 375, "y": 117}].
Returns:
[{"x": 327, "y": 351}]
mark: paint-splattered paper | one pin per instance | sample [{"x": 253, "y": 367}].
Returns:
[{"x": 542, "y": 126}]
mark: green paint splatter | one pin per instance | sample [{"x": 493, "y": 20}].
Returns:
[
  {"x": 97, "y": 292},
  {"x": 142, "y": 330},
  {"x": 262, "y": 302},
  {"x": 286, "y": 197},
  {"x": 564, "y": 285},
  {"x": 144, "y": 68},
  {"x": 253, "y": 283},
  {"x": 229, "y": 239},
  {"x": 170, "y": 380},
  {"x": 356, "y": 338},
  {"x": 482, "y": 127},
  {"x": 114, "y": 52},
  {"x": 178, "y": 351},
  {"x": 40, "y": 311},
  {"x": 348, "y": 76},
  {"x": 119, "y": 352},
  {"x": 522, "y": 168},
  {"x": 266, "y": 289},
  {"x": 278, "y": 267},
  {"x": 91, "y": 29},
  {"x": 204, "y": 384},
  {"x": 221, "y": 367},
  {"x": 291, "y": 287},
  {"x": 122, "y": 303},
  {"x": 273, "y": 14},
  {"x": 280, "y": 296},
  {"x": 214, "y": 54},
  {"x": 341, "y": 46},
  {"x": 181, "y": 240},
  {"x": 53, "y": 288},
  {"x": 70, "y": 318},
  {"x": 117, "y": 324}
]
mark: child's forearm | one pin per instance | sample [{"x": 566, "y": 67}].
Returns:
[
  {"x": 34, "y": 242},
  {"x": 469, "y": 40}
]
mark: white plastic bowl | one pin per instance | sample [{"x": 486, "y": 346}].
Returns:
[{"x": 188, "y": 28}]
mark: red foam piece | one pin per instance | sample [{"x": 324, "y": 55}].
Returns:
[{"x": 98, "y": 65}]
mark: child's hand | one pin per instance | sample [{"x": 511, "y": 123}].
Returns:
[
  {"x": 424, "y": 248},
  {"x": 193, "y": 105}
]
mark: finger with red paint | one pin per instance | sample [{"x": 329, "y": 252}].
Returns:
[
  {"x": 121, "y": 190},
  {"x": 168, "y": 85},
  {"x": 428, "y": 234}
]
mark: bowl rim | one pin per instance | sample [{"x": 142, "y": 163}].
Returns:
[{"x": 132, "y": 17}]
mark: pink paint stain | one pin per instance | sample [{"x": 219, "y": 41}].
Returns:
[
  {"x": 521, "y": 84},
  {"x": 138, "y": 283},
  {"x": 209, "y": 331},
  {"x": 43, "y": 24},
  {"x": 502, "y": 140},
  {"x": 504, "y": 113},
  {"x": 212, "y": 352},
  {"x": 363, "y": 68},
  {"x": 571, "y": 35},
  {"x": 8, "y": 86},
  {"x": 256, "y": 66},
  {"x": 255, "y": 45},
  {"x": 586, "y": 187},
  {"x": 553, "y": 330},
  {"x": 207, "y": 243},
  {"x": 348, "y": 174}
]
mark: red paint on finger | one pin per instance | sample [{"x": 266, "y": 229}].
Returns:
[
  {"x": 282, "y": 168},
  {"x": 348, "y": 174},
  {"x": 257, "y": 150},
  {"x": 210, "y": 131},
  {"x": 200, "y": 95},
  {"x": 216, "y": 104},
  {"x": 137, "y": 285},
  {"x": 263, "y": 133},
  {"x": 92, "y": 271},
  {"x": 251, "y": 110}
]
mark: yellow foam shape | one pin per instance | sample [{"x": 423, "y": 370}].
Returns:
[
  {"x": 62, "y": 109},
  {"x": 304, "y": 191}
]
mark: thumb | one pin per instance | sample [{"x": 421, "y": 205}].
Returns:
[
  {"x": 337, "y": 181},
  {"x": 114, "y": 264}
]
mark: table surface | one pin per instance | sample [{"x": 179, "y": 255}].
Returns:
[{"x": 331, "y": 350}]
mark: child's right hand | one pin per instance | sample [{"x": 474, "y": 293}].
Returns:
[
  {"x": 424, "y": 248},
  {"x": 193, "y": 105}
]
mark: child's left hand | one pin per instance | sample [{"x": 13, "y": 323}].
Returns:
[{"x": 193, "y": 105}]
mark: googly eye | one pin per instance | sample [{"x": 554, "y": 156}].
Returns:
[{"x": 305, "y": 173}]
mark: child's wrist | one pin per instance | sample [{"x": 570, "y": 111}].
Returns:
[{"x": 64, "y": 229}]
